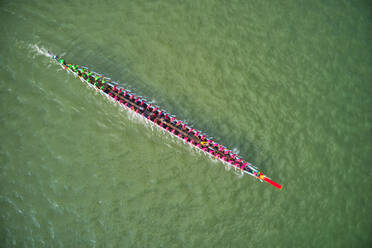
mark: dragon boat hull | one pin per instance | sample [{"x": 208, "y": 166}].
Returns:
[{"x": 161, "y": 118}]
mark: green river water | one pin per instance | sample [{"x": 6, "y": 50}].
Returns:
[{"x": 287, "y": 84}]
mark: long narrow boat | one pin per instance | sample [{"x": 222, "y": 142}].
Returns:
[{"x": 161, "y": 118}]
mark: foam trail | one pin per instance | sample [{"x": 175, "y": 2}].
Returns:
[{"x": 40, "y": 51}]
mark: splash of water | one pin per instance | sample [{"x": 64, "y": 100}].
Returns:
[{"x": 41, "y": 51}]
